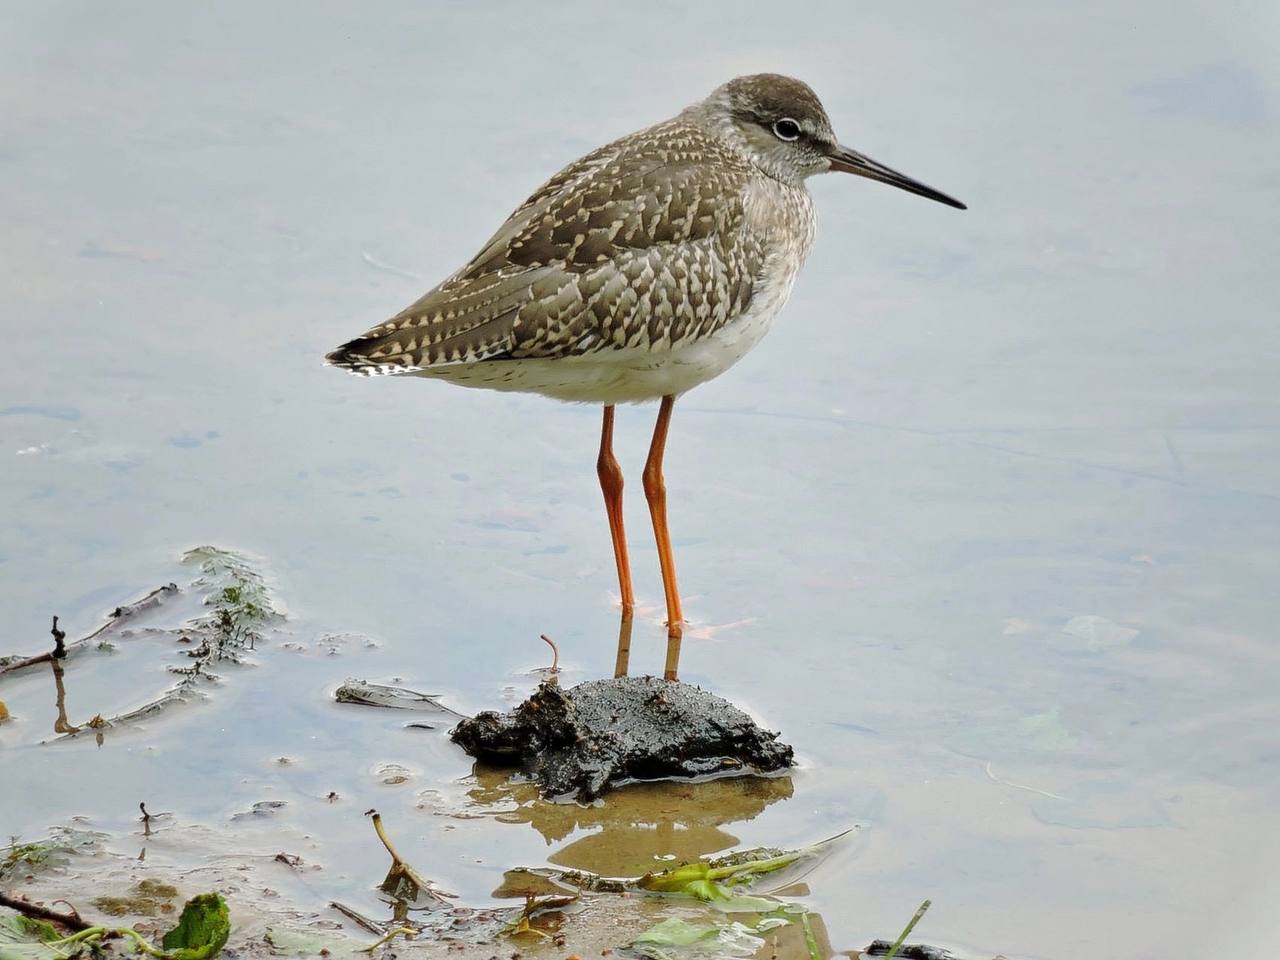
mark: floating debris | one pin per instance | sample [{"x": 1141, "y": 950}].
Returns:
[
  {"x": 368, "y": 694},
  {"x": 242, "y": 609},
  {"x": 148, "y": 898},
  {"x": 402, "y": 882},
  {"x": 724, "y": 880}
]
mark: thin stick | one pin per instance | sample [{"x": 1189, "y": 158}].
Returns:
[
  {"x": 60, "y": 651},
  {"x": 555, "y": 654},
  {"x": 59, "y": 648},
  {"x": 72, "y": 921},
  {"x": 906, "y": 932},
  {"x": 1018, "y": 786},
  {"x": 357, "y": 918},
  {"x": 399, "y": 864},
  {"x": 407, "y": 932}
]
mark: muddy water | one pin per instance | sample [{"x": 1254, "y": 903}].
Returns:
[{"x": 987, "y": 526}]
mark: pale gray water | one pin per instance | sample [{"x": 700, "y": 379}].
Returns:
[{"x": 967, "y": 430}]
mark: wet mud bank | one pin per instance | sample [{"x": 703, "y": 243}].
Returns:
[{"x": 581, "y": 742}]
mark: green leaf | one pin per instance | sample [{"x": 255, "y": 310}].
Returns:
[
  {"x": 202, "y": 929},
  {"x": 675, "y": 932},
  {"x": 743, "y": 903},
  {"x": 705, "y": 890},
  {"x": 22, "y": 938},
  {"x": 677, "y": 938},
  {"x": 677, "y": 879}
]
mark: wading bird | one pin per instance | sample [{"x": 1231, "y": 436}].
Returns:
[{"x": 647, "y": 267}]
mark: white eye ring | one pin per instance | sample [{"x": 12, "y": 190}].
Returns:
[{"x": 786, "y": 129}]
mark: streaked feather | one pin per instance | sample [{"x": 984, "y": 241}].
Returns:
[{"x": 641, "y": 244}]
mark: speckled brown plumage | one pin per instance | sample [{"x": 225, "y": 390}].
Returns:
[
  {"x": 661, "y": 257},
  {"x": 638, "y": 244}
]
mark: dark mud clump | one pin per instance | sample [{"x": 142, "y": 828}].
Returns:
[{"x": 578, "y": 743}]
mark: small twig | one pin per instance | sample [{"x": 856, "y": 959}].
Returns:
[
  {"x": 180, "y": 692},
  {"x": 398, "y": 865},
  {"x": 1018, "y": 786},
  {"x": 906, "y": 932},
  {"x": 59, "y": 648},
  {"x": 119, "y": 614},
  {"x": 407, "y": 932},
  {"x": 58, "y": 652},
  {"x": 72, "y": 920},
  {"x": 377, "y": 929},
  {"x": 382, "y": 835},
  {"x": 555, "y": 654}
]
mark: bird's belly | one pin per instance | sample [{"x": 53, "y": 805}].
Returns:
[{"x": 620, "y": 376}]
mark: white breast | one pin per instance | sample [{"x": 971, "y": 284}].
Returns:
[{"x": 634, "y": 375}]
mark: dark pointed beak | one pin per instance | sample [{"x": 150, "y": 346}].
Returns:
[{"x": 851, "y": 161}]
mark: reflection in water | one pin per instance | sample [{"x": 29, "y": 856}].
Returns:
[
  {"x": 643, "y": 827},
  {"x": 623, "y": 662},
  {"x": 61, "y": 724}
]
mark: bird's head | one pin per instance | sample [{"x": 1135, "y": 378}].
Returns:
[{"x": 781, "y": 124}]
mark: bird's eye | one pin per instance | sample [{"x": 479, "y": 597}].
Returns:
[{"x": 786, "y": 129}]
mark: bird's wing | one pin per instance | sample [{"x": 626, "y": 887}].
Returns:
[{"x": 637, "y": 245}]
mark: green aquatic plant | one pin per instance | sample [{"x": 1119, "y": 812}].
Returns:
[
  {"x": 19, "y": 856},
  {"x": 721, "y": 881},
  {"x": 148, "y": 898},
  {"x": 201, "y": 933},
  {"x": 202, "y": 929},
  {"x": 717, "y": 880},
  {"x": 906, "y": 931},
  {"x": 239, "y": 595},
  {"x": 677, "y": 937},
  {"x": 25, "y": 938},
  {"x": 34, "y": 856}
]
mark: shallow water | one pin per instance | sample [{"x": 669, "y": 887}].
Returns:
[{"x": 987, "y": 527}]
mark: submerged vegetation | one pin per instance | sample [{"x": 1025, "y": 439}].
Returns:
[
  {"x": 736, "y": 888},
  {"x": 239, "y": 608},
  {"x": 202, "y": 932},
  {"x": 224, "y": 620}
]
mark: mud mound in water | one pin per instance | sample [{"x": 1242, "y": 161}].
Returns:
[{"x": 578, "y": 743}]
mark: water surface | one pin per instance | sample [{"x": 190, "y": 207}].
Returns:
[{"x": 987, "y": 526}]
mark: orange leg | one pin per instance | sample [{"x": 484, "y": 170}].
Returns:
[
  {"x": 611, "y": 485},
  {"x": 655, "y": 491}
]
